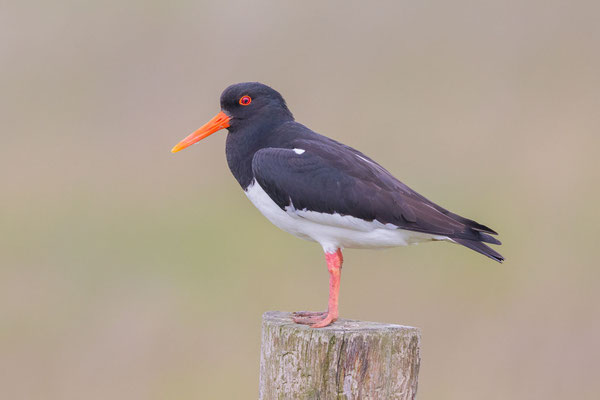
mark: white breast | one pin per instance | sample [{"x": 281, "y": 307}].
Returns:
[{"x": 333, "y": 231}]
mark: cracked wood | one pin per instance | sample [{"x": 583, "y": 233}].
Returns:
[{"x": 346, "y": 360}]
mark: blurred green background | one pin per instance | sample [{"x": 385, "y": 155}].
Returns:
[{"x": 128, "y": 272}]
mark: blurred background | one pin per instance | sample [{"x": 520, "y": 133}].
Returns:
[{"x": 127, "y": 272}]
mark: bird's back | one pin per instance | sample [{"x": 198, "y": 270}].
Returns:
[{"x": 315, "y": 173}]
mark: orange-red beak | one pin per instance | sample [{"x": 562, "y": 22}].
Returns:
[{"x": 220, "y": 121}]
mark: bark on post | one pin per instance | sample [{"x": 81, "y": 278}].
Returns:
[{"x": 346, "y": 360}]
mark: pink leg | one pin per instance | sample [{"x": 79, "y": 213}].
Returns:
[{"x": 322, "y": 319}]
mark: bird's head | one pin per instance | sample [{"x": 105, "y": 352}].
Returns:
[{"x": 241, "y": 104}]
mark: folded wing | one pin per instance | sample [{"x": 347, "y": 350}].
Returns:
[{"x": 336, "y": 179}]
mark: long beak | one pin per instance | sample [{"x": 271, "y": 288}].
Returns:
[{"x": 220, "y": 121}]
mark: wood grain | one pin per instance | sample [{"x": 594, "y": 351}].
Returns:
[{"x": 346, "y": 360}]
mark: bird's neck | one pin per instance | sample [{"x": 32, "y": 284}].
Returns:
[{"x": 243, "y": 142}]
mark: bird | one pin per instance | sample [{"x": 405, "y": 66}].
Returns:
[{"x": 321, "y": 190}]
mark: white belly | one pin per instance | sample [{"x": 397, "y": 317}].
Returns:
[{"x": 333, "y": 231}]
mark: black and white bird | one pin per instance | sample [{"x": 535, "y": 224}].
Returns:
[{"x": 322, "y": 190}]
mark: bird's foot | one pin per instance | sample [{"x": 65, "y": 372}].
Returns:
[
  {"x": 309, "y": 313},
  {"x": 316, "y": 319}
]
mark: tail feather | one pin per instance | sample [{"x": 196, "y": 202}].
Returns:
[
  {"x": 484, "y": 237},
  {"x": 476, "y": 226},
  {"x": 481, "y": 248}
]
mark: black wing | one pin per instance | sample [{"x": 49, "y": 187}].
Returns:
[{"x": 330, "y": 177}]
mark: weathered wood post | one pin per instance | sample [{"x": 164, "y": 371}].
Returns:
[{"x": 346, "y": 360}]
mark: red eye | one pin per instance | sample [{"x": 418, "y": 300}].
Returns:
[{"x": 245, "y": 100}]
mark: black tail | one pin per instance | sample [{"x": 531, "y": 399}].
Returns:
[
  {"x": 484, "y": 237},
  {"x": 481, "y": 248}
]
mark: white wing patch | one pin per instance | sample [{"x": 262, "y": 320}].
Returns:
[
  {"x": 364, "y": 159},
  {"x": 299, "y": 151}
]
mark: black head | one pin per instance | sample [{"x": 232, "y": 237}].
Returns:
[
  {"x": 249, "y": 105},
  {"x": 253, "y": 100}
]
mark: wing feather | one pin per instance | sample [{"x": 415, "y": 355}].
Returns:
[{"x": 336, "y": 179}]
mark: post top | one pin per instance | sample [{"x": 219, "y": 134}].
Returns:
[{"x": 284, "y": 319}]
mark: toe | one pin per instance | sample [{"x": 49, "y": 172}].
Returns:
[
  {"x": 308, "y": 320},
  {"x": 324, "y": 322},
  {"x": 310, "y": 314}
]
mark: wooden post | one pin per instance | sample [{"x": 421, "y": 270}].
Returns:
[{"x": 346, "y": 360}]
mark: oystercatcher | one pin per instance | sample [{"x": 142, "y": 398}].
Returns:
[{"x": 322, "y": 190}]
